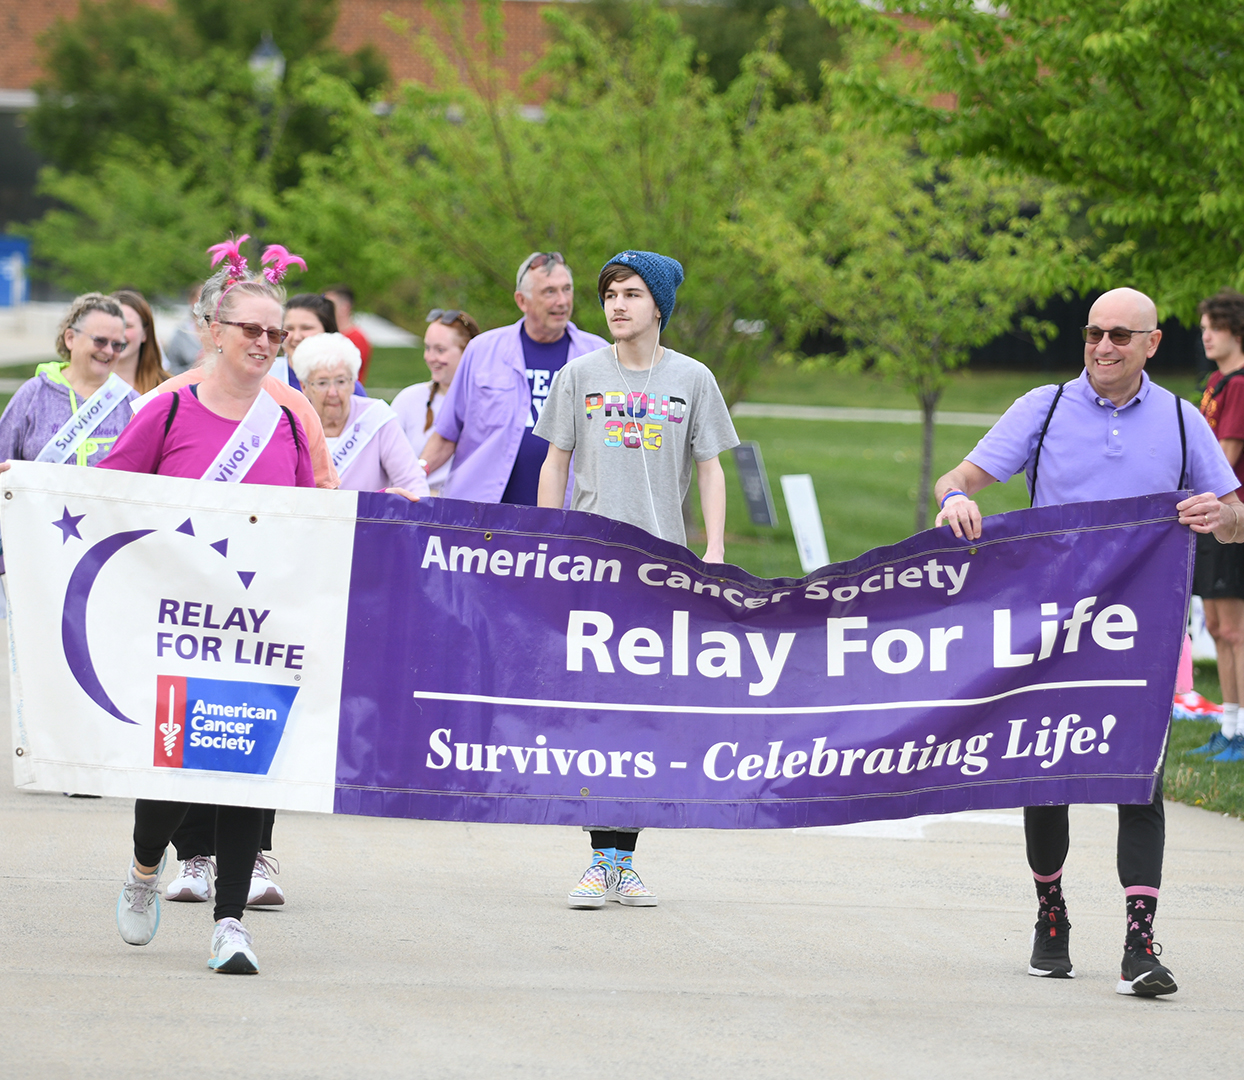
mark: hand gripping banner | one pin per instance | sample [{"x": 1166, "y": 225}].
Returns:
[{"x": 356, "y": 653}]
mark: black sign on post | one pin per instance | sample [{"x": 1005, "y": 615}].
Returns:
[{"x": 752, "y": 476}]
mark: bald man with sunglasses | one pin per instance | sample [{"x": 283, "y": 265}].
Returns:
[
  {"x": 1110, "y": 434},
  {"x": 500, "y": 388}
]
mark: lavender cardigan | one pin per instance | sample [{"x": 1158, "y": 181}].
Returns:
[
  {"x": 486, "y": 411},
  {"x": 41, "y": 406}
]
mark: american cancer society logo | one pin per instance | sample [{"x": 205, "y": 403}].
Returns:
[{"x": 219, "y": 724}]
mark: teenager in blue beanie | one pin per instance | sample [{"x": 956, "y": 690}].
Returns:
[
  {"x": 639, "y": 420},
  {"x": 660, "y": 273}
]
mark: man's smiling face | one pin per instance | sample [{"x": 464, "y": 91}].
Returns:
[{"x": 1114, "y": 370}]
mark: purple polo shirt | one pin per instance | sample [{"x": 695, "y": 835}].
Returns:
[
  {"x": 1093, "y": 450},
  {"x": 488, "y": 408}
]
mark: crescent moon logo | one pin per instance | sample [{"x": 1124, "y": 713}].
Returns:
[{"x": 73, "y": 617}]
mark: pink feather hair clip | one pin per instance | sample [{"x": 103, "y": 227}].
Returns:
[
  {"x": 228, "y": 251},
  {"x": 281, "y": 261}
]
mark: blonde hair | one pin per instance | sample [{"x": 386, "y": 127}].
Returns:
[
  {"x": 81, "y": 307},
  {"x": 220, "y": 294}
]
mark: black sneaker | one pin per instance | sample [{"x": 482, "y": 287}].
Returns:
[
  {"x": 1141, "y": 973},
  {"x": 1051, "y": 957}
]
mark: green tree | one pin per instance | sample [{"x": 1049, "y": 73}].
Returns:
[
  {"x": 1134, "y": 102},
  {"x": 726, "y": 31},
  {"x": 436, "y": 203},
  {"x": 911, "y": 263},
  {"x": 122, "y": 69},
  {"x": 160, "y": 140}
]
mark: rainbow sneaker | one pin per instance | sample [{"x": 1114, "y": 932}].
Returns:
[
  {"x": 595, "y": 886},
  {"x": 630, "y": 891}
]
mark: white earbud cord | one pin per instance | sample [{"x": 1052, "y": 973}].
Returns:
[{"x": 642, "y": 449}]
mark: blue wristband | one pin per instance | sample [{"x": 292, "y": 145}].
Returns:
[{"x": 942, "y": 505}]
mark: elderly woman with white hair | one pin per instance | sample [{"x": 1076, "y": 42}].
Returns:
[{"x": 368, "y": 445}]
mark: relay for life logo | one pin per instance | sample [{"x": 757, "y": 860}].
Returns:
[{"x": 219, "y": 724}]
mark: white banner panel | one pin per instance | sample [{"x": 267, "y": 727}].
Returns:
[{"x": 185, "y": 638}]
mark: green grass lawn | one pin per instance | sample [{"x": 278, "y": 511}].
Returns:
[
  {"x": 1216, "y": 786},
  {"x": 969, "y": 391},
  {"x": 865, "y": 477}
]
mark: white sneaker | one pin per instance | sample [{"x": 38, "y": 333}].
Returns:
[
  {"x": 138, "y": 907},
  {"x": 264, "y": 891},
  {"x": 231, "y": 949},
  {"x": 193, "y": 883}
]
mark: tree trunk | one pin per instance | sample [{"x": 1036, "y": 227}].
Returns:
[{"x": 928, "y": 403}]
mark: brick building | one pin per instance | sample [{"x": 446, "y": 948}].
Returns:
[{"x": 360, "y": 22}]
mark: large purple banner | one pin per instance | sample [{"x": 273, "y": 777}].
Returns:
[{"x": 513, "y": 664}]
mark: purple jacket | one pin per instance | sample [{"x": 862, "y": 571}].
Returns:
[
  {"x": 41, "y": 406},
  {"x": 486, "y": 411}
]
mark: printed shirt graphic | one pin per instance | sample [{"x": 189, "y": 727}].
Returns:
[
  {"x": 635, "y": 438},
  {"x": 1225, "y": 412},
  {"x": 543, "y": 362}
]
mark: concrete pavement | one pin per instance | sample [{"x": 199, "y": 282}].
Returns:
[{"x": 428, "y": 949}]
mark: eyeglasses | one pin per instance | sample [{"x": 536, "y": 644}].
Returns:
[
  {"x": 447, "y": 316},
  {"x": 101, "y": 343},
  {"x": 253, "y": 330},
  {"x": 324, "y": 384},
  {"x": 1120, "y": 335}
]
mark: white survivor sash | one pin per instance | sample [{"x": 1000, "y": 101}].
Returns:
[
  {"x": 81, "y": 426},
  {"x": 246, "y": 444},
  {"x": 145, "y": 399},
  {"x": 347, "y": 446}
]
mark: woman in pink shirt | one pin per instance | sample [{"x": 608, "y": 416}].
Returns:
[{"x": 225, "y": 428}]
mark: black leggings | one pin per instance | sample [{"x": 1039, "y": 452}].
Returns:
[
  {"x": 196, "y": 835},
  {"x": 238, "y": 830},
  {"x": 607, "y": 838},
  {"x": 1142, "y": 840}
]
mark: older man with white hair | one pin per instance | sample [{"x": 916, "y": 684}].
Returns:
[
  {"x": 1110, "y": 434},
  {"x": 500, "y": 389}
]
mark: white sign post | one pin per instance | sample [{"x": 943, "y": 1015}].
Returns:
[{"x": 805, "y": 520}]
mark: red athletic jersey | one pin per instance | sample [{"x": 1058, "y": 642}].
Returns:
[
  {"x": 364, "y": 347},
  {"x": 1225, "y": 412}
]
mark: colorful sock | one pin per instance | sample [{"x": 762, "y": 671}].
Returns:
[
  {"x": 622, "y": 860},
  {"x": 1230, "y": 718},
  {"x": 602, "y": 855},
  {"x": 1050, "y": 904},
  {"x": 1142, "y": 905}
]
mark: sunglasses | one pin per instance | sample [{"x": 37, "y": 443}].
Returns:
[
  {"x": 1120, "y": 335},
  {"x": 544, "y": 258},
  {"x": 102, "y": 344},
  {"x": 535, "y": 262},
  {"x": 253, "y": 330},
  {"x": 446, "y": 316}
]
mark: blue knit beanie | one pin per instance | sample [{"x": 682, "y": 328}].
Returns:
[{"x": 660, "y": 273}]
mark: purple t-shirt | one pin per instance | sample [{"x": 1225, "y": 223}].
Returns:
[
  {"x": 196, "y": 437},
  {"x": 543, "y": 361},
  {"x": 1093, "y": 450}
]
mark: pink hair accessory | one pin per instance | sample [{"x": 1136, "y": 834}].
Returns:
[
  {"x": 229, "y": 252},
  {"x": 281, "y": 261}
]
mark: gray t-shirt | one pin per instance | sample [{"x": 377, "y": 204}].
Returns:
[{"x": 618, "y": 421}]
